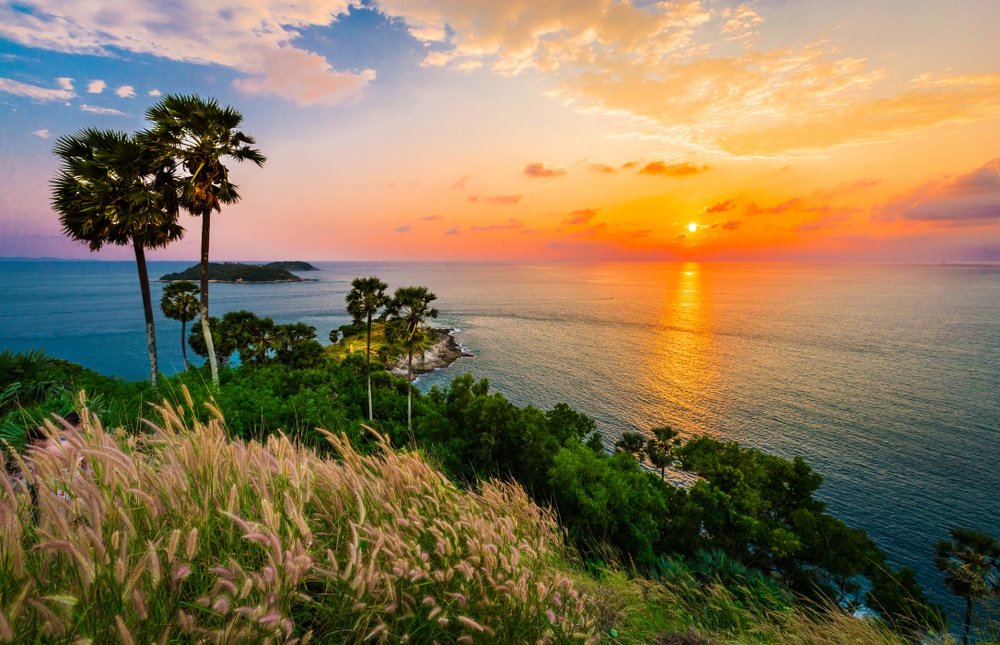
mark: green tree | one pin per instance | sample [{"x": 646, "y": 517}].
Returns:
[
  {"x": 366, "y": 297},
  {"x": 180, "y": 302},
  {"x": 196, "y": 135},
  {"x": 407, "y": 313},
  {"x": 110, "y": 190},
  {"x": 970, "y": 561},
  {"x": 631, "y": 443},
  {"x": 660, "y": 448}
]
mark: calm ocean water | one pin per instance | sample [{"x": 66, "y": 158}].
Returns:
[{"x": 884, "y": 378}]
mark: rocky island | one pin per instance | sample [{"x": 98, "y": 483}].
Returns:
[{"x": 237, "y": 272}]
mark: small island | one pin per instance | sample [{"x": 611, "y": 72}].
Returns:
[
  {"x": 237, "y": 272},
  {"x": 291, "y": 265}
]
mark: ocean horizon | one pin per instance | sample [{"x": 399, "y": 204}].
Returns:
[{"x": 882, "y": 376}]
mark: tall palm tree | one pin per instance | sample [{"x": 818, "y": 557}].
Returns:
[
  {"x": 180, "y": 302},
  {"x": 970, "y": 561},
  {"x": 407, "y": 314},
  {"x": 196, "y": 135},
  {"x": 110, "y": 190},
  {"x": 660, "y": 448},
  {"x": 366, "y": 297}
]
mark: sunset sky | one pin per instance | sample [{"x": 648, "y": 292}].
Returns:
[{"x": 537, "y": 129}]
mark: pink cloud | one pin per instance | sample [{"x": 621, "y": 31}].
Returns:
[
  {"x": 539, "y": 171},
  {"x": 969, "y": 199}
]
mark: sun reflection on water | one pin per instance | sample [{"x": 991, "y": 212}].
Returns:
[{"x": 681, "y": 368}]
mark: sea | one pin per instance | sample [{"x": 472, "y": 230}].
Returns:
[{"x": 883, "y": 377}]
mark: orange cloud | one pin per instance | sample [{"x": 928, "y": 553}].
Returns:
[
  {"x": 672, "y": 170},
  {"x": 722, "y": 207},
  {"x": 496, "y": 200},
  {"x": 538, "y": 170},
  {"x": 601, "y": 168},
  {"x": 581, "y": 216},
  {"x": 509, "y": 224}
]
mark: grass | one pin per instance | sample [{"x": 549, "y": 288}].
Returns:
[
  {"x": 184, "y": 534},
  {"x": 355, "y": 343}
]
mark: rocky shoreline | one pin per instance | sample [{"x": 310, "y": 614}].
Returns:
[{"x": 444, "y": 351}]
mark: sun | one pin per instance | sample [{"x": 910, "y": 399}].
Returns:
[{"x": 692, "y": 227}]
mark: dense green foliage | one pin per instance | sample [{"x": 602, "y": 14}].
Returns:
[
  {"x": 746, "y": 512},
  {"x": 234, "y": 272},
  {"x": 291, "y": 265}
]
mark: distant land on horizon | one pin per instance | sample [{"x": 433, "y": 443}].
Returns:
[{"x": 240, "y": 272}]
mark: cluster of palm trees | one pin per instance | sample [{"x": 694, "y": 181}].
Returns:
[
  {"x": 128, "y": 189},
  {"x": 658, "y": 449},
  {"x": 405, "y": 314}
]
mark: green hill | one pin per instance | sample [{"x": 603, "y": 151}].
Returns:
[
  {"x": 234, "y": 272},
  {"x": 292, "y": 265}
]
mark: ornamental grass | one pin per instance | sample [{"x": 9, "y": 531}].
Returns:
[{"x": 185, "y": 534}]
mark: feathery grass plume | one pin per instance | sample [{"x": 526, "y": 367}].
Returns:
[{"x": 185, "y": 534}]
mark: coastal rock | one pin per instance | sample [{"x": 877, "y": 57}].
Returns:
[{"x": 444, "y": 351}]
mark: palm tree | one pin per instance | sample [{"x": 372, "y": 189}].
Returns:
[
  {"x": 180, "y": 302},
  {"x": 196, "y": 134},
  {"x": 366, "y": 297},
  {"x": 970, "y": 562},
  {"x": 631, "y": 443},
  {"x": 109, "y": 190},
  {"x": 406, "y": 314},
  {"x": 660, "y": 449}
]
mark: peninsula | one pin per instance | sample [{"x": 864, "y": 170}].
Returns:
[
  {"x": 238, "y": 272},
  {"x": 442, "y": 351}
]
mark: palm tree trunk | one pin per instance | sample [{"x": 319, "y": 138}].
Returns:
[
  {"x": 184, "y": 349},
  {"x": 409, "y": 396},
  {"x": 147, "y": 308},
  {"x": 968, "y": 620},
  {"x": 213, "y": 362},
  {"x": 368, "y": 364}
]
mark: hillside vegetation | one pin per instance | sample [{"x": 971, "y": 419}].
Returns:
[{"x": 184, "y": 534}]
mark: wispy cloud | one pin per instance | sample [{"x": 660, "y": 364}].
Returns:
[
  {"x": 96, "y": 86},
  {"x": 431, "y": 218},
  {"x": 101, "y": 110},
  {"x": 722, "y": 207},
  {"x": 35, "y": 92},
  {"x": 601, "y": 168},
  {"x": 672, "y": 169},
  {"x": 539, "y": 171},
  {"x": 495, "y": 200},
  {"x": 405, "y": 228},
  {"x": 65, "y": 83},
  {"x": 580, "y": 216},
  {"x": 969, "y": 199},
  {"x": 509, "y": 224},
  {"x": 454, "y": 230},
  {"x": 153, "y": 92},
  {"x": 125, "y": 92},
  {"x": 256, "y": 38},
  {"x": 42, "y": 134}
]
